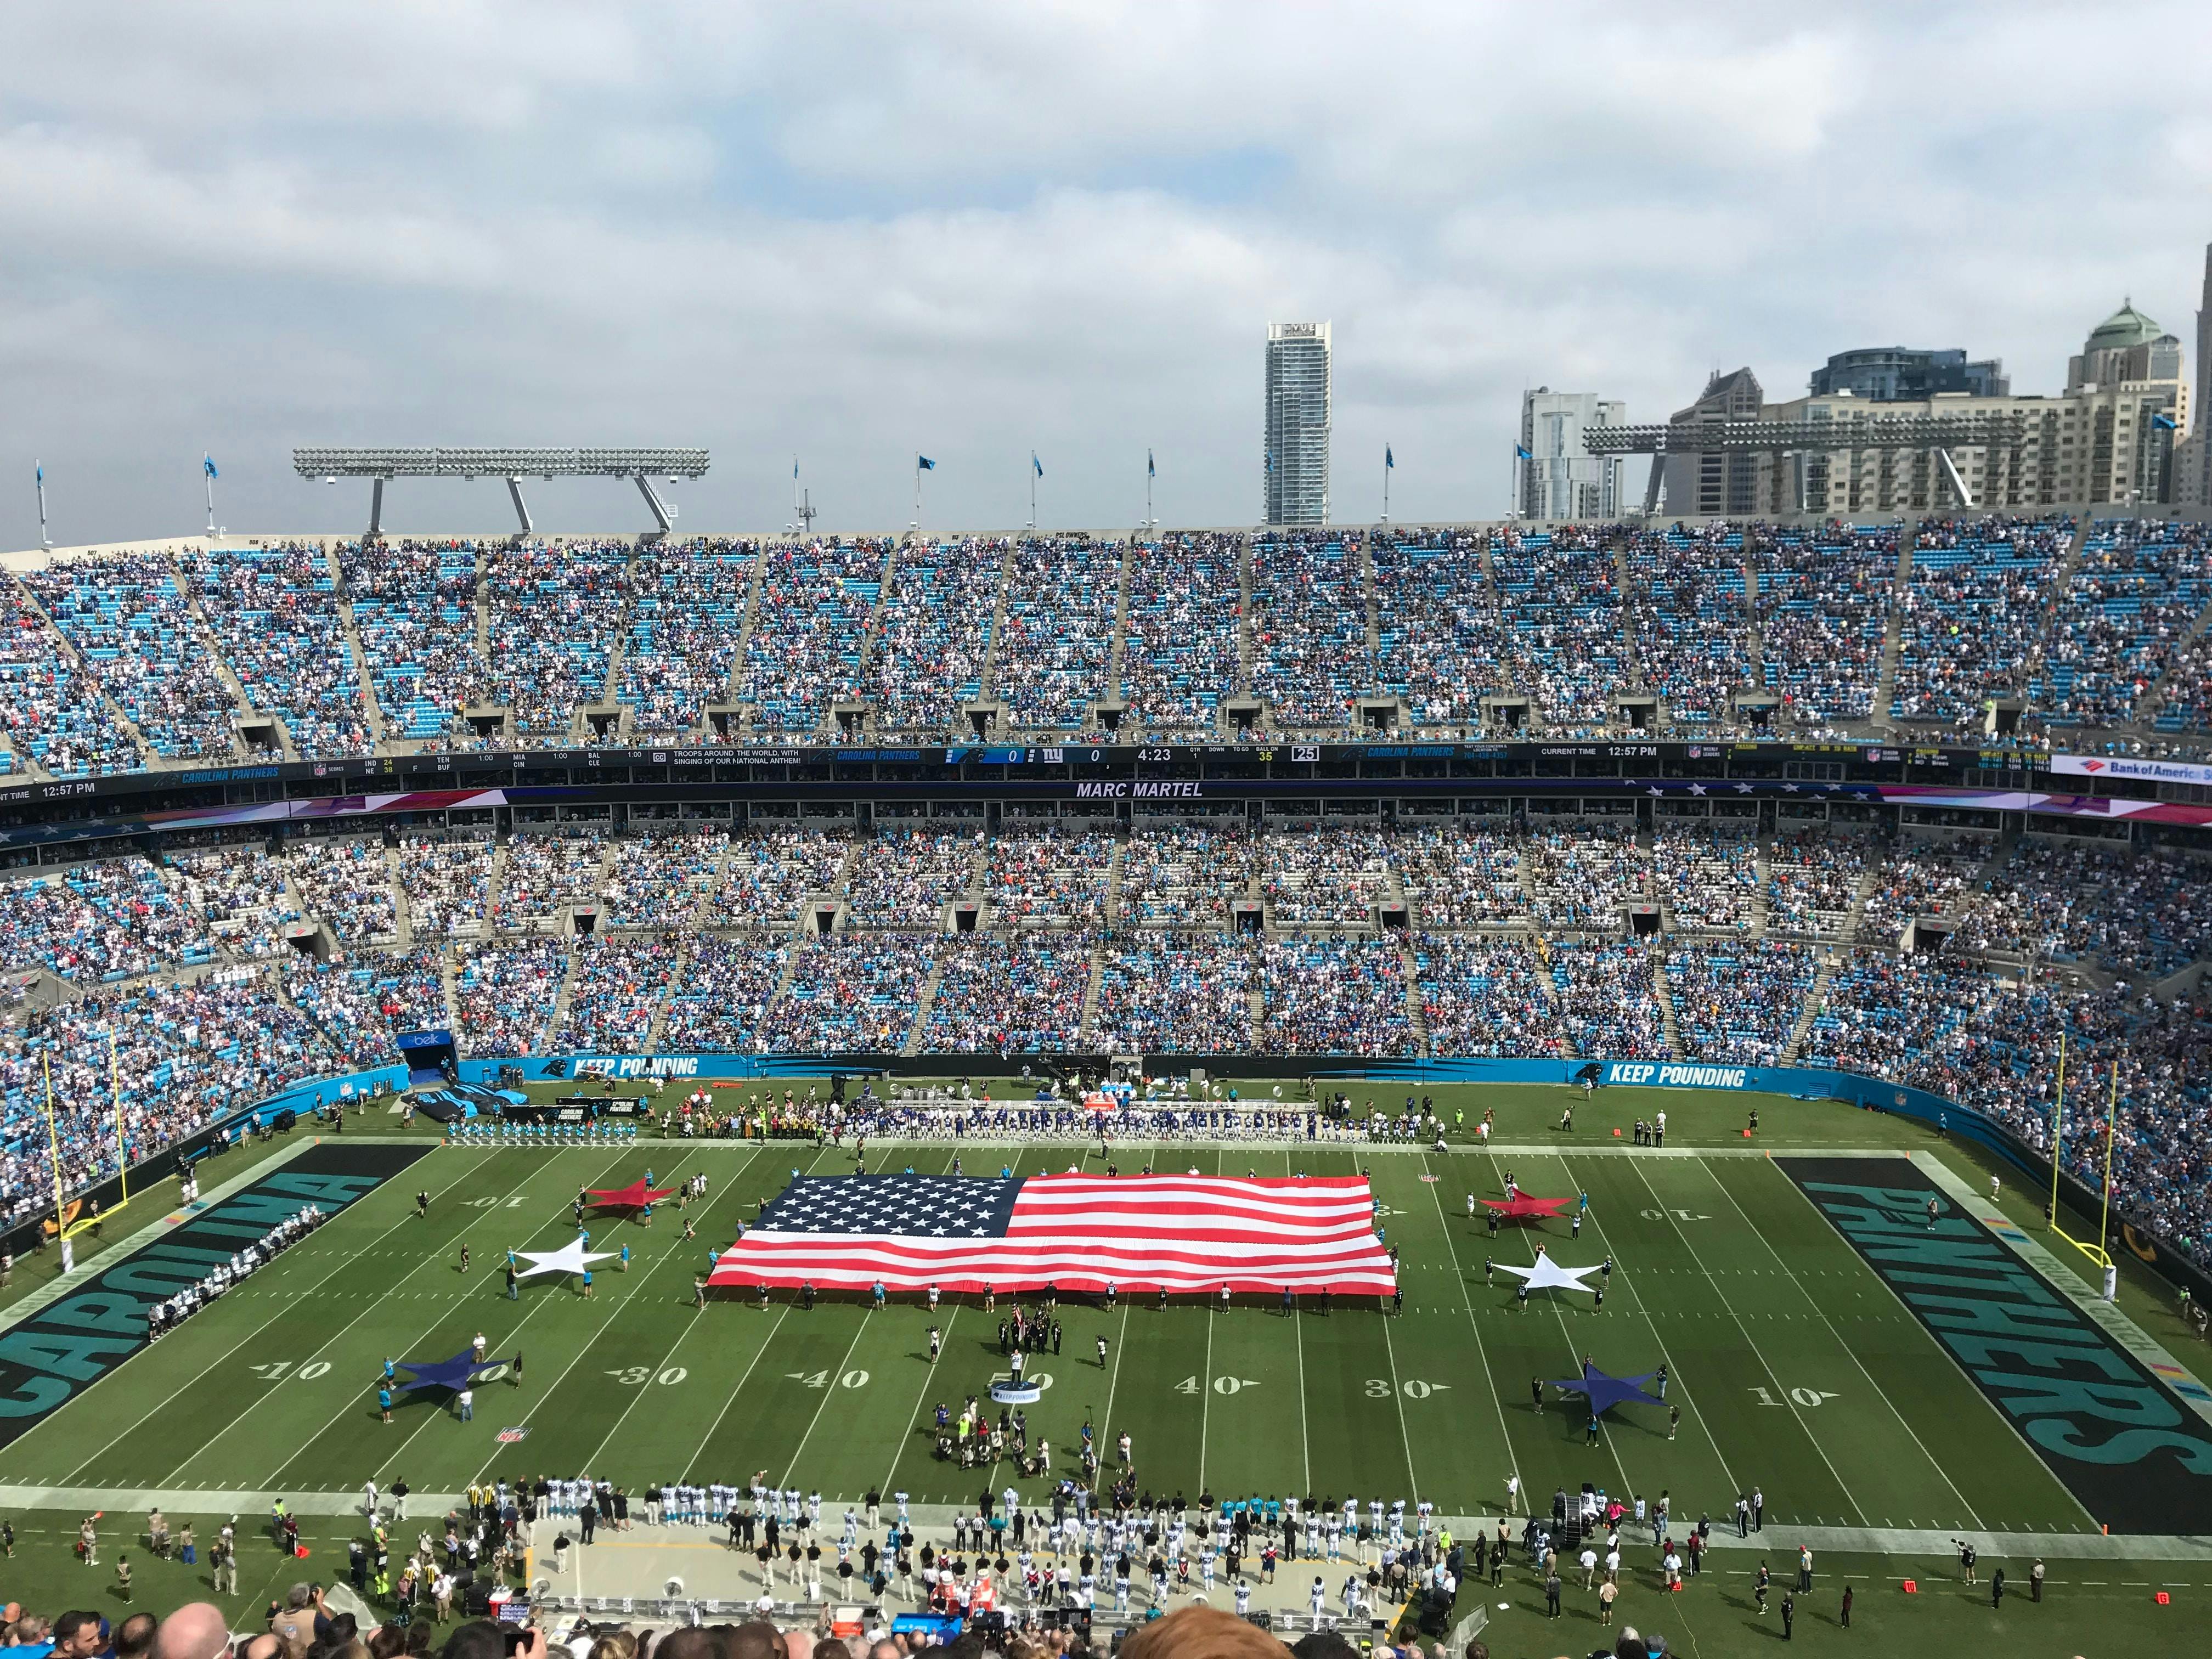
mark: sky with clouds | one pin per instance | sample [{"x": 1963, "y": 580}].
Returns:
[{"x": 850, "y": 232}]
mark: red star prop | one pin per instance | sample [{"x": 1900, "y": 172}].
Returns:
[
  {"x": 632, "y": 1197},
  {"x": 1521, "y": 1207}
]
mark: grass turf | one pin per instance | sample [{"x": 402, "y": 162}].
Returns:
[{"x": 1795, "y": 1370}]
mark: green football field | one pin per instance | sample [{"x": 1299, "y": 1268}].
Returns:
[{"x": 1797, "y": 1369}]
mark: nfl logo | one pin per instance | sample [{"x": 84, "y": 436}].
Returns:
[{"x": 508, "y": 1436}]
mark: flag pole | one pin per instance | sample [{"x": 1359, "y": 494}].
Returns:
[
  {"x": 1033, "y": 479},
  {"x": 916, "y": 524},
  {"x": 1150, "y": 522},
  {"x": 207, "y": 476},
  {"x": 45, "y": 540},
  {"x": 1386, "y": 483}
]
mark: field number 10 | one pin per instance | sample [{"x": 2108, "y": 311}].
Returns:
[{"x": 1803, "y": 1396}]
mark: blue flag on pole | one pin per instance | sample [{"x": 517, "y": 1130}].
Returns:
[
  {"x": 1037, "y": 464},
  {"x": 925, "y": 463},
  {"x": 2162, "y": 423},
  {"x": 795, "y": 467},
  {"x": 1151, "y": 471},
  {"x": 207, "y": 462},
  {"x": 1388, "y": 459},
  {"x": 41, "y": 465},
  {"x": 1521, "y": 452}
]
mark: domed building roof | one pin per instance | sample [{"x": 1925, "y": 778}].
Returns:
[{"x": 2126, "y": 327}]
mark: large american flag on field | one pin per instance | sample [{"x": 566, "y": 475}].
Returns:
[{"x": 1189, "y": 1234}]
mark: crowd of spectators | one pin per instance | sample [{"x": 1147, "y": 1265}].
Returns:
[
  {"x": 1457, "y": 876},
  {"x": 1559, "y": 600},
  {"x": 1048, "y": 877},
  {"x": 1972, "y": 613},
  {"x": 1334, "y": 996},
  {"x": 361, "y": 1002},
  {"x": 129, "y": 621},
  {"x": 1051, "y": 663},
  {"x": 55, "y": 712},
  {"x": 998, "y": 995},
  {"x": 1309, "y": 655},
  {"x": 543, "y": 874},
  {"x": 1584, "y": 873},
  {"x": 554, "y": 611},
  {"x": 905, "y": 875},
  {"x": 1608, "y": 1003},
  {"x": 346, "y": 884},
  {"x": 687, "y": 615},
  {"x": 273, "y": 612},
  {"x": 105, "y": 918},
  {"x": 1705, "y": 873},
  {"x": 1924, "y": 877},
  {"x": 810, "y": 628},
  {"x": 1487, "y": 997},
  {"x": 1185, "y": 875},
  {"x": 848, "y": 991},
  {"x": 664, "y": 877},
  {"x": 768, "y": 873},
  {"x": 933, "y": 638},
  {"x": 1181, "y": 651},
  {"x": 1812, "y": 881},
  {"x": 616, "y": 985},
  {"x": 171, "y": 1056},
  {"x": 1175, "y": 993},
  {"x": 447, "y": 879},
  {"x": 2138, "y": 590},
  {"x": 1687, "y": 617},
  {"x": 1324, "y": 875},
  {"x": 1439, "y": 643},
  {"x": 1823, "y": 610},
  {"x": 238, "y": 892},
  {"x": 716, "y": 1005},
  {"x": 1739, "y": 1003},
  {"x": 414, "y": 607},
  {"x": 504, "y": 995}
]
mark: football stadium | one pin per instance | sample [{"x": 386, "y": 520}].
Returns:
[{"x": 1401, "y": 1081}]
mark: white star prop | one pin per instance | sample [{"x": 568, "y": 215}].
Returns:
[
  {"x": 1548, "y": 1274},
  {"x": 570, "y": 1258}
]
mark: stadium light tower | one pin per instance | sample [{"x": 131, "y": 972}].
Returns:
[{"x": 380, "y": 466}]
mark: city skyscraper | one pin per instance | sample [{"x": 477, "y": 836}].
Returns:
[
  {"x": 1555, "y": 476},
  {"x": 1298, "y": 399},
  {"x": 2192, "y": 457}
]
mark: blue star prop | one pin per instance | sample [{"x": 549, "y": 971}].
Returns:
[
  {"x": 455, "y": 1374},
  {"x": 1606, "y": 1392}
]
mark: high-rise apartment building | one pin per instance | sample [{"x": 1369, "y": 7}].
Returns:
[
  {"x": 2192, "y": 457},
  {"x": 1888, "y": 373},
  {"x": 1716, "y": 483},
  {"x": 1555, "y": 476},
  {"x": 1298, "y": 394}
]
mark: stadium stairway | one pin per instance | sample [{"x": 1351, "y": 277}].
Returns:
[
  {"x": 751, "y": 615},
  {"x": 379, "y": 734},
  {"x": 662, "y": 1002},
  {"x": 559, "y": 1018},
  {"x": 1117, "y": 652},
  {"x": 1244, "y": 622},
  {"x": 2069, "y": 563},
  {"x": 227, "y": 676},
  {"x": 1416, "y": 1015},
  {"x": 1088, "y": 1023},
  {"x": 987, "y": 676},
  {"x": 1666, "y": 1000},
  {"x": 1816, "y": 996},
  {"x": 403, "y": 910},
  {"x": 922, "y": 1004},
  {"x": 1893, "y": 632},
  {"x": 1762, "y": 914}
]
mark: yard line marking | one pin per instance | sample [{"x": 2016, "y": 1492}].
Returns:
[
  {"x": 1559, "y": 1313},
  {"x": 1756, "y": 1354},
  {"x": 537, "y": 1305},
  {"x": 1467, "y": 1298},
  {"x": 929, "y": 1373},
  {"x": 767, "y": 1343},
  {"x": 729, "y": 1190},
  {"x": 799, "y": 1450},
  {"x": 1902, "y": 1423},
  {"x": 1205, "y": 1382},
  {"x": 234, "y": 1346},
  {"x": 1397, "y": 1389},
  {"x": 1299, "y": 1331},
  {"x": 1121, "y": 1341},
  {"x": 1620, "y": 1271}
]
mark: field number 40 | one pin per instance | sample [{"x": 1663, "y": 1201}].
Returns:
[{"x": 1803, "y": 1396}]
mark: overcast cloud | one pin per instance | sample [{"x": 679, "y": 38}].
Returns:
[{"x": 850, "y": 232}]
